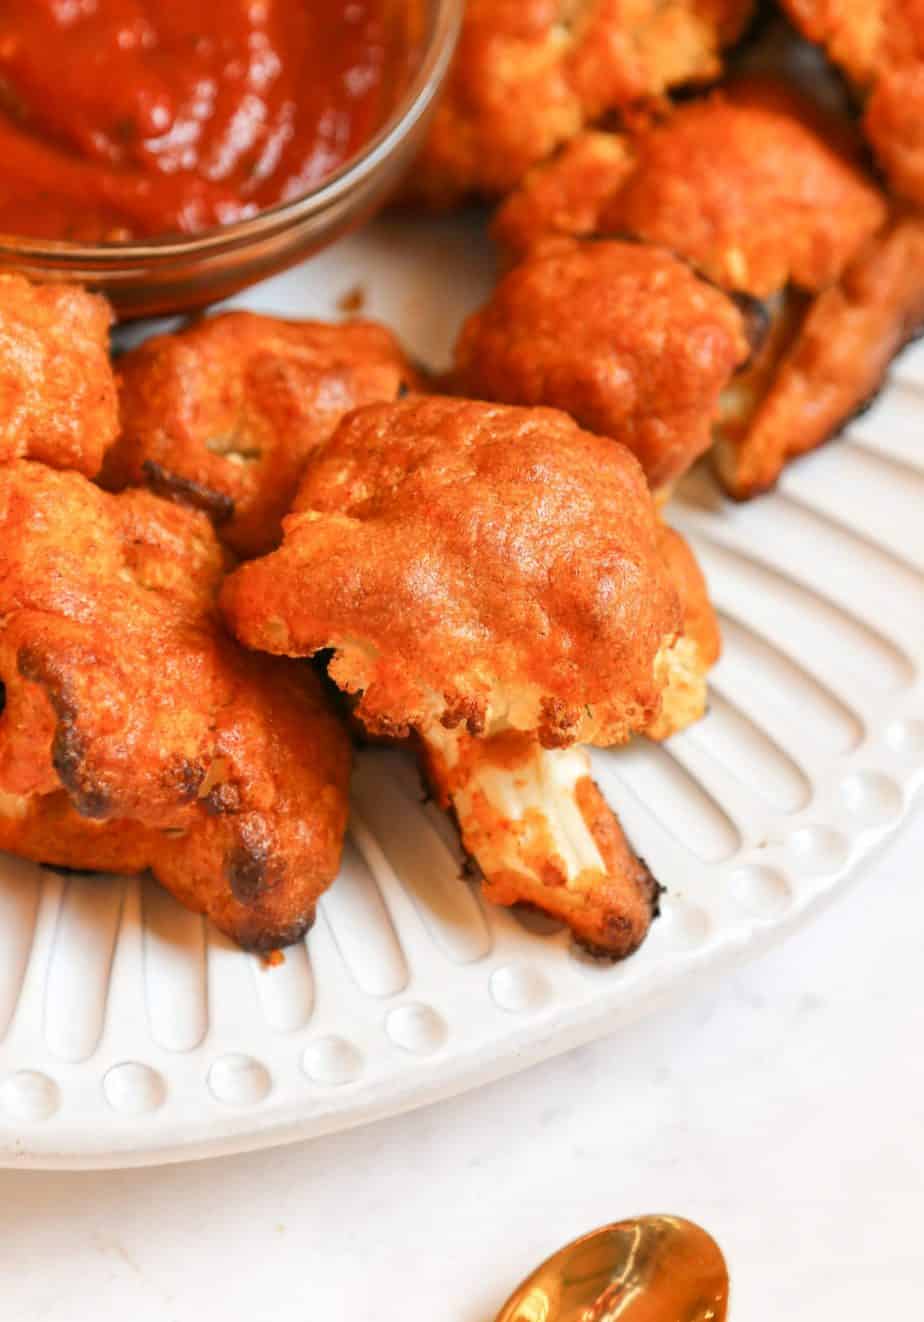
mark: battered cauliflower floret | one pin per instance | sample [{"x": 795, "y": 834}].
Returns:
[
  {"x": 688, "y": 662},
  {"x": 752, "y": 185},
  {"x": 879, "y": 44},
  {"x": 758, "y": 190},
  {"x": 472, "y": 564},
  {"x": 825, "y": 360},
  {"x": 623, "y": 337},
  {"x": 224, "y": 414},
  {"x": 135, "y": 734},
  {"x": 487, "y": 577},
  {"x": 529, "y": 74},
  {"x": 57, "y": 391}
]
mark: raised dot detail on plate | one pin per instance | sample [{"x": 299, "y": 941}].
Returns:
[
  {"x": 29, "y": 1095},
  {"x": 684, "y": 926},
  {"x": 760, "y": 891},
  {"x": 417, "y": 1028},
  {"x": 518, "y": 987},
  {"x": 906, "y": 738},
  {"x": 332, "y": 1060},
  {"x": 871, "y": 798},
  {"x": 133, "y": 1088},
  {"x": 239, "y": 1080},
  {"x": 817, "y": 849}
]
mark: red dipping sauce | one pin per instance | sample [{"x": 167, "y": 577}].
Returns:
[{"x": 127, "y": 118}]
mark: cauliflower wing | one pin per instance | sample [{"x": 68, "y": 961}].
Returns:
[
  {"x": 57, "y": 391},
  {"x": 528, "y": 76},
  {"x": 622, "y": 336},
  {"x": 223, "y": 415},
  {"x": 135, "y": 734},
  {"x": 492, "y": 579},
  {"x": 753, "y": 185},
  {"x": 759, "y": 190}
]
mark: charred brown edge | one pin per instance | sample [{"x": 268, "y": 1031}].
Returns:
[
  {"x": 68, "y": 746},
  {"x": 462, "y": 709},
  {"x": 183, "y": 778},
  {"x": 184, "y": 491},
  {"x": 248, "y": 868},
  {"x": 65, "y": 870},
  {"x": 557, "y": 723},
  {"x": 757, "y": 321},
  {"x": 379, "y": 726},
  {"x": 431, "y": 790},
  {"x": 742, "y": 494},
  {"x": 264, "y": 940},
  {"x": 222, "y": 800},
  {"x": 652, "y": 890},
  {"x": 252, "y": 870}
]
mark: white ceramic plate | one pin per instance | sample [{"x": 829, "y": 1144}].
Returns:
[{"x": 132, "y": 1034}]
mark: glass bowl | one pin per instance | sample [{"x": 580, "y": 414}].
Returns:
[{"x": 174, "y": 274}]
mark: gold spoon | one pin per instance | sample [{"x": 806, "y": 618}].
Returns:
[{"x": 649, "y": 1269}]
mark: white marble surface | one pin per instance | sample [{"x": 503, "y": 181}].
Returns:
[{"x": 783, "y": 1108}]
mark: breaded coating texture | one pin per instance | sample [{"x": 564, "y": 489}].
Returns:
[
  {"x": 879, "y": 44},
  {"x": 752, "y": 185},
  {"x": 57, "y": 391},
  {"x": 136, "y": 734},
  {"x": 567, "y": 195},
  {"x": 624, "y": 337},
  {"x": 474, "y": 564},
  {"x": 529, "y": 74},
  {"x": 829, "y": 363},
  {"x": 698, "y": 647},
  {"x": 224, "y": 414}
]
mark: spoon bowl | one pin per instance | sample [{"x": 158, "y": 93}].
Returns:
[{"x": 647, "y": 1269}]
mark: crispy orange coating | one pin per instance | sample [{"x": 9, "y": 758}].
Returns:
[
  {"x": 624, "y": 337},
  {"x": 567, "y": 195},
  {"x": 529, "y": 74},
  {"x": 699, "y": 618},
  {"x": 605, "y": 894},
  {"x": 752, "y": 185},
  {"x": 224, "y": 414},
  {"x": 136, "y": 734},
  {"x": 829, "y": 363},
  {"x": 697, "y": 649},
  {"x": 57, "y": 391},
  {"x": 879, "y": 44},
  {"x": 473, "y": 564}
]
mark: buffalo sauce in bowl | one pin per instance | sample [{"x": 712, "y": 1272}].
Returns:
[{"x": 124, "y": 119}]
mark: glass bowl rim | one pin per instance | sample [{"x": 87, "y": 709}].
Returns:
[{"x": 445, "y": 19}]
